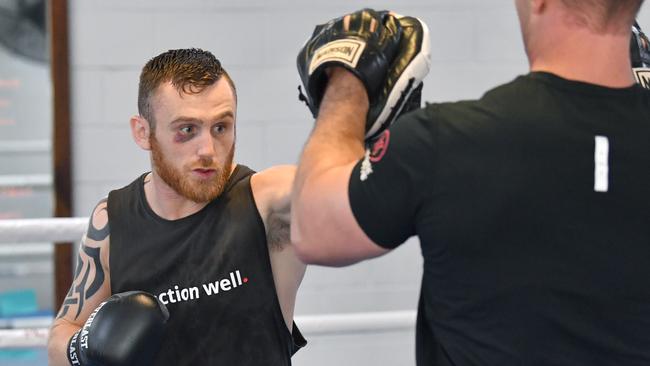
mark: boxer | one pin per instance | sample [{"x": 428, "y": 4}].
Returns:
[{"x": 204, "y": 241}]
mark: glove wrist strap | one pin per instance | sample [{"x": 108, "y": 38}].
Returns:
[{"x": 73, "y": 356}]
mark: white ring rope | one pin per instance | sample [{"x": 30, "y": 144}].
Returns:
[
  {"x": 71, "y": 230},
  {"x": 335, "y": 324},
  {"x": 43, "y": 230},
  {"x": 26, "y": 181},
  {"x": 23, "y": 338}
]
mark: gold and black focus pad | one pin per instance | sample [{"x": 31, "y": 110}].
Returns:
[
  {"x": 390, "y": 57},
  {"x": 365, "y": 52}
]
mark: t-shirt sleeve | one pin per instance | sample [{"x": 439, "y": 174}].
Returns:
[{"x": 388, "y": 186}]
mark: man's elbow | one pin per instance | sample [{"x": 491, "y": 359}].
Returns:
[
  {"x": 305, "y": 253},
  {"x": 313, "y": 254},
  {"x": 312, "y": 250},
  {"x": 311, "y": 230},
  {"x": 303, "y": 250},
  {"x": 307, "y": 248}
]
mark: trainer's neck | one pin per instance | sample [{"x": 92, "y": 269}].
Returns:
[{"x": 580, "y": 55}]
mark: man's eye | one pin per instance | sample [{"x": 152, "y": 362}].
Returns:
[
  {"x": 186, "y": 130},
  {"x": 219, "y": 129}
]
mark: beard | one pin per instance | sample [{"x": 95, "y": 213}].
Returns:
[{"x": 180, "y": 180}]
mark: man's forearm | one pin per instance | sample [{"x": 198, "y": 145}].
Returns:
[
  {"x": 57, "y": 344},
  {"x": 339, "y": 133},
  {"x": 320, "y": 190}
]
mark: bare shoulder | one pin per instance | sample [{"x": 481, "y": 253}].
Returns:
[
  {"x": 275, "y": 177},
  {"x": 98, "y": 227},
  {"x": 272, "y": 187}
]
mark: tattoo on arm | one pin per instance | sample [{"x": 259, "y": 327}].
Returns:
[
  {"x": 78, "y": 294},
  {"x": 99, "y": 271},
  {"x": 80, "y": 289},
  {"x": 98, "y": 234}
]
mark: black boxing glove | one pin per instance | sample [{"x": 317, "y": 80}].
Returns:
[
  {"x": 390, "y": 60},
  {"x": 124, "y": 330},
  {"x": 640, "y": 56}
]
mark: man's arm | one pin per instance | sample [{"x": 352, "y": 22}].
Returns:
[
  {"x": 323, "y": 227},
  {"x": 272, "y": 191},
  {"x": 91, "y": 286}
]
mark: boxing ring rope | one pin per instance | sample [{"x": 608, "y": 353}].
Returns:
[
  {"x": 42, "y": 230},
  {"x": 71, "y": 230}
]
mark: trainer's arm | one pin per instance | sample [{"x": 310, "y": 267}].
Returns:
[
  {"x": 91, "y": 286},
  {"x": 323, "y": 227}
]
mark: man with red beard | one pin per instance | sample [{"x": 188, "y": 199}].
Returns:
[{"x": 199, "y": 245}]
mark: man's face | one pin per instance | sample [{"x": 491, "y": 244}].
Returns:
[{"x": 193, "y": 144}]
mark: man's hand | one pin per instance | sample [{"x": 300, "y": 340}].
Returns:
[
  {"x": 387, "y": 52},
  {"x": 124, "y": 330}
]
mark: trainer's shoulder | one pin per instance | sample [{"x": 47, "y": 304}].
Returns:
[
  {"x": 444, "y": 113},
  {"x": 495, "y": 104},
  {"x": 460, "y": 118}
]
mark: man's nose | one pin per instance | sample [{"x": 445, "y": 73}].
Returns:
[{"x": 206, "y": 145}]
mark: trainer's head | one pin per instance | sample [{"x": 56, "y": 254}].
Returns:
[{"x": 187, "y": 110}]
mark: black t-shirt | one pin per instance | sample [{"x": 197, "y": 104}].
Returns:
[
  {"x": 213, "y": 272},
  {"x": 532, "y": 206}
]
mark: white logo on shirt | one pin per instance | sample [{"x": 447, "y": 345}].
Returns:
[
  {"x": 177, "y": 294},
  {"x": 601, "y": 164}
]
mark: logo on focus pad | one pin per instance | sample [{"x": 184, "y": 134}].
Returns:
[
  {"x": 642, "y": 76},
  {"x": 347, "y": 51},
  {"x": 379, "y": 147},
  {"x": 374, "y": 154}
]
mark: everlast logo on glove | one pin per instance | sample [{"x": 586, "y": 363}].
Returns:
[
  {"x": 72, "y": 351},
  {"x": 346, "y": 51},
  {"x": 134, "y": 317},
  {"x": 88, "y": 324}
]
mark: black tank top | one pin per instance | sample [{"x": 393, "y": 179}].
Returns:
[{"x": 211, "y": 269}]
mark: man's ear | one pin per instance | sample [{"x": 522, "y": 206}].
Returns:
[
  {"x": 141, "y": 130},
  {"x": 537, "y": 6}
]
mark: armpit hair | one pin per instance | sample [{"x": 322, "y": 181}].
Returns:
[{"x": 278, "y": 232}]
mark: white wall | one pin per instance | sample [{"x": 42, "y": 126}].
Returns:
[{"x": 476, "y": 45}]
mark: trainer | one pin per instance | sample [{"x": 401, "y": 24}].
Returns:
[{"x": 532, "y": 204}]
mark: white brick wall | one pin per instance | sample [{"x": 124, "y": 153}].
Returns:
[{"x": 476, "y": 45}]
